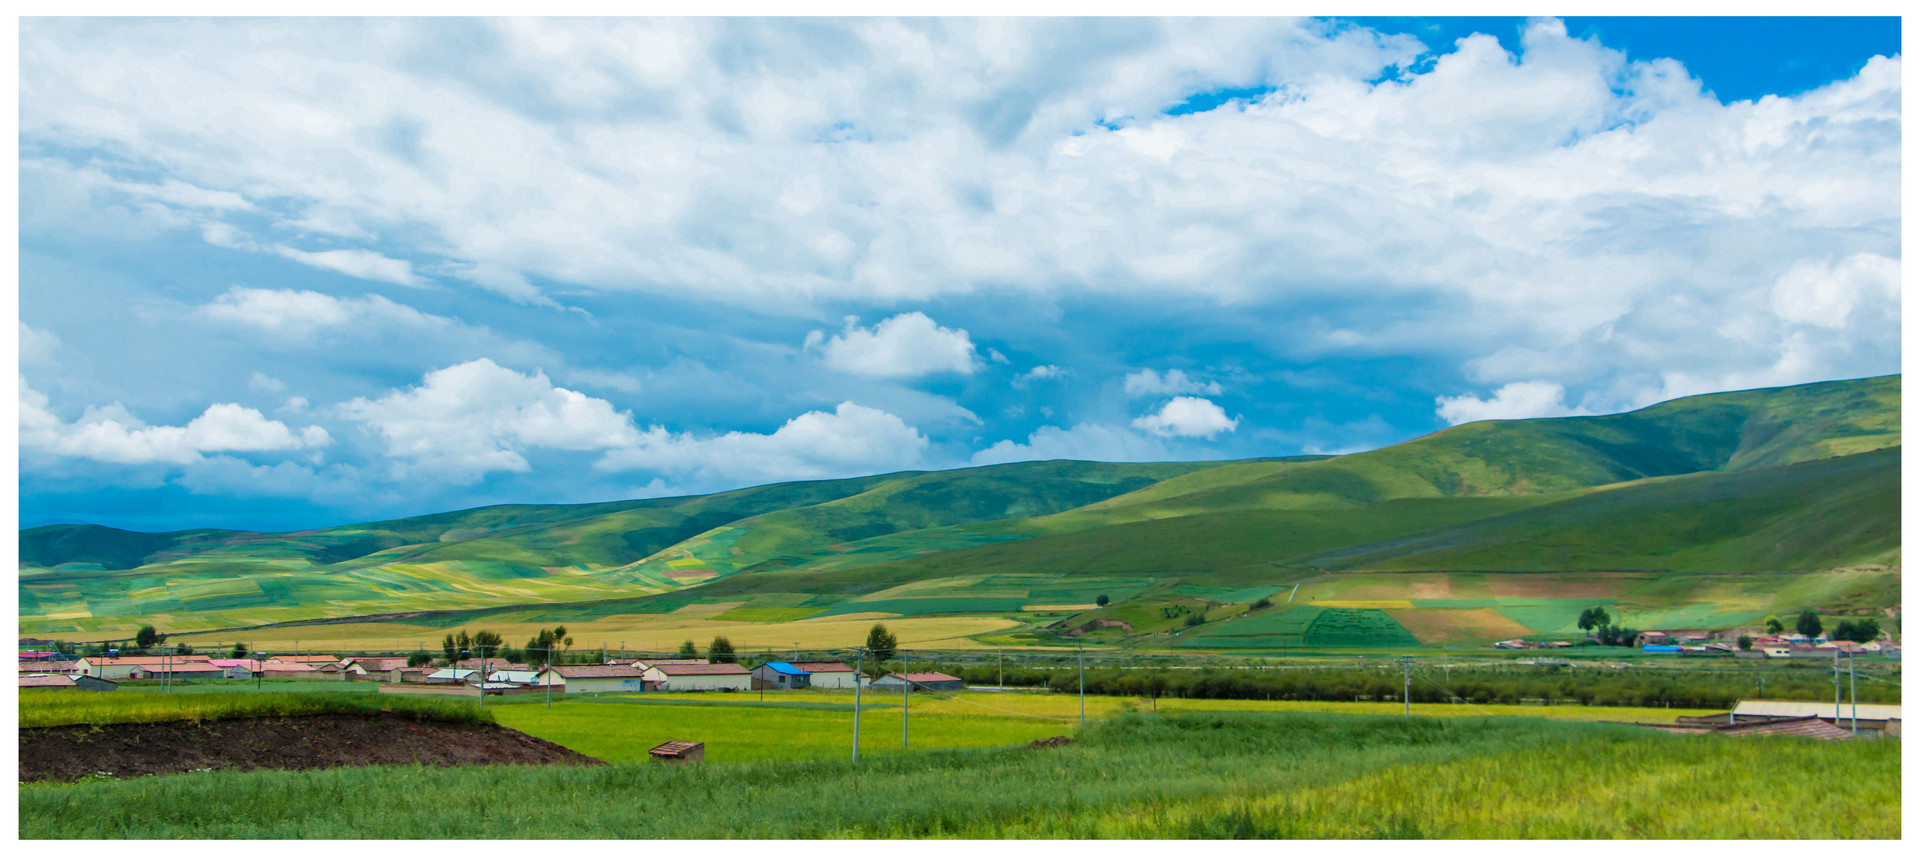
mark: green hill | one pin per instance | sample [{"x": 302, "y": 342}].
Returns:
[{"x": 1767, "y": 482}]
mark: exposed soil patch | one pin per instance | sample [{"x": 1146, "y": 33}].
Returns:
[
  {"x": 1050, "y": 742},
  {"x": 69, "y": 752}
]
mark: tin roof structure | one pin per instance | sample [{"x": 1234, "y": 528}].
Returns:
[{"x": 1783, "y": 709}]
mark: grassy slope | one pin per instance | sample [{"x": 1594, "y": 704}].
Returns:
[{"x": 1239, "y": 524}]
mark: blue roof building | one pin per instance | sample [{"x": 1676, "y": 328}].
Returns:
[{"x": 780, "y": 676}]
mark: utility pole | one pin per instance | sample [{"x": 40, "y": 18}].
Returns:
[
  {"x": 906, "y": 689},
  {"x": 1406, "y": 668},
  {"x": 1852, "y": 686},
  {"x": 1083, "y": 684},
  {"x": 1836, "y": 688},
  {"x": 859, "y": 673},
  {"x": 1003, "y": 665}
]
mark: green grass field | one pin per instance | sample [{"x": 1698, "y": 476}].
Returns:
[{"x": 1187, "y": 775}]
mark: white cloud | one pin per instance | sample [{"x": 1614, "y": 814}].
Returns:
[
  {"x": 852, "y": 440},
  {"x": 363, "y": 264},
  {"x": 904, "y": 346},
  {"x": 265, "y": 383},
  {"x": 301, "y": 313},
  {"x": 1083, "y": 442},
  {"x": 1518, "y": 400},
  {"x": 1186, "y": 416},
  {"x": 37, "y": 346},
  {"x": 113, "y": 435},
  {"x": 1147, "y": 382},
  {"x": 466, "y": 420},
  {"x": 1825, "y": 293},
  {"x": 1040, "y": 373}
]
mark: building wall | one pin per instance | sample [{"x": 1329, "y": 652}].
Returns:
[
  {"x": 698, "y": 683},
  {"x": 832, "y": 680}
]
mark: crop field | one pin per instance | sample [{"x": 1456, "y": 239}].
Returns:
[
  {"x": 634, "y": 631},
  {"x": 1179, "y": 775}
]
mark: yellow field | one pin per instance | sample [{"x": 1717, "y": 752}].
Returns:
[
  {"x": 631, "y": 632},
  {"x": 1065, "y": 706}
]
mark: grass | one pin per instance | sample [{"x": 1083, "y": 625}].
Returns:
[
  {"x": 1172, "y": 776},
  {"x": 75, "y": 707}
]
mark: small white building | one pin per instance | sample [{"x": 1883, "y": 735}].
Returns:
[
  {"x": 697, "y": 677},
  {"x": 829, "y": 676},
  {"x": 515, "y": 677},
  {"x": 121, "y": 668},
  {"x": 593, "y": 679}
]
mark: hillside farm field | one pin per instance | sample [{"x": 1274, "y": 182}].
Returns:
[{"x": 1189, "y": 772}]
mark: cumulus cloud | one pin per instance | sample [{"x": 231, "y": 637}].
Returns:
[
  {"x": 1823, "y": 293},
  {"x": 466, "y": 420},
  {"x": 37, "y": 346},
  {"x": 1518, "y": 400},
  {"x": 904, "y": 346},
  {"x": 1187, "y": 416},
  {"x": 852, "y": 440},
  {"x": 1147, "y": 382},
  {"x": 1086, "y": 441},
  {"x": 111, "y": 434},
  {"x": 1039, "y": 373},
  {"x": 301, "y": 313}
]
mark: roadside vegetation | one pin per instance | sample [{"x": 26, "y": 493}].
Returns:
[{"x": 78, "y": 707}]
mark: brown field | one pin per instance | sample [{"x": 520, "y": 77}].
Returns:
[
  {"x": 1454, "y": 626},
  {"x": 634, "y": 632}
]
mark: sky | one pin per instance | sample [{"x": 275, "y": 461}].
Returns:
[{"x": 279, "y": 274}]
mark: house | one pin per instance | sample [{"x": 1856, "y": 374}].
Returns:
[
  {"x": 453, "y": 675},
  {"x": 645, "y": 663},
  {"x": 513, "y": 677},
  {"x": 46, "y": 682},
  {"x": 49, "y": 667},
  {"x": 1513, "y": 644},
  {"x": 176, "y": 671},
  {"x": 1660, "y": 649},
  {"x": 779, "y": 676},
  {"x": 594, "y": 679},
  {"x": 696, "y": 677},
  {"x": 828, "y": 676},
  {"x": 1653, "y": 637},
  {"x": 921, "y": 681},
  {"x": 118, "y": 668},
  {"x": 309, "y": 660},
  {"x": 372, "y": 668},
  {"x": 283, "y": 669},
  {"x": 235, "y": 668}
]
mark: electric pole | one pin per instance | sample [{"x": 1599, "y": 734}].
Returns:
[
  {"x": 906, "y": 689},
  {"x": 1852, "y": 686},
  {"x": 859, "y": 672},
  {"x": 1083, "y": 684},
  {"x": 1406, "y": 668}
]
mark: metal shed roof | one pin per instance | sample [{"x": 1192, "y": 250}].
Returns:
[
  {"x": 784, "y": 668},
  {"x": 1749, "y": 707}
]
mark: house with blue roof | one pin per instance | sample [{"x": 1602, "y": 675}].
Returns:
[{"x": 780, "y": 676}]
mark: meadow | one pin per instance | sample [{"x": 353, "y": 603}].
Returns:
[{"x": 1185, "y": 775}]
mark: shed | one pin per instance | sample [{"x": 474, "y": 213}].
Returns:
[
  {"x": 176, "y": 671},
  {"x": 779, "y": 676},
  {"x": 696, "y": 677},
  {"x": 1803, "y": 726},
  {"x": 46, "y": 682},
  {"x": 116, "y": 668},
  {"x": 1874, "y": 717},
  {"x": 921, "y": 681},
  {"x": 828, "y": 676},
  {"x": 679, "y": 752}
]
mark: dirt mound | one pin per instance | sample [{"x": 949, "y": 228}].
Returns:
[
  {"x": 69, "y": 752},
  {"x": 1050, "y": 742}
]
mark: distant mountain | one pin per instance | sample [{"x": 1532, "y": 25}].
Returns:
[{"x": 1762, "y": 481}]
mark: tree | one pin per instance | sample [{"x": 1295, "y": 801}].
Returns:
[
  {"x": 1156, "y": 687},
  {"x": 1195, "y": 619},
  {"x": 881, "y": 643},
  {"x": 544, "y": 644},
  {"x": 1594, "y": 618},
  {"x": 418, "y": 658},
  {"x": 1774, "y": 626},
  {"x": 453, "y": 645},
  {"x": 687, "y": 651},
  {"x": 148, "y": 638},
  {"x": 1808, "y": 624},
  {"x": 183, "y": 650},
  {"x": 721, "y": 651},
  {"x": 239, "y": 650},
  {"x": 1262, "y": 603},
  {"x": 1102, "y": 600},
  {"x": 1746, "y": 642},
  {"x": 1864, "y": 630},
  {"x": 486, "y": 643}
]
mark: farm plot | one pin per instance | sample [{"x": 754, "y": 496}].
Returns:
[
  {"x": 1358, "y": 628},
  {"x": 1279, "y": 627}
]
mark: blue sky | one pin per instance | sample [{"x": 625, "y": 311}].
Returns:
[{"x": 287, "y": 273}]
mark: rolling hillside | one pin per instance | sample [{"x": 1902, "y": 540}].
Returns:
[{"x": 1669, "y": 500}]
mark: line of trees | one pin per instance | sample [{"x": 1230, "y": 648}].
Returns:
[{"x": 1486, "y": 685}]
